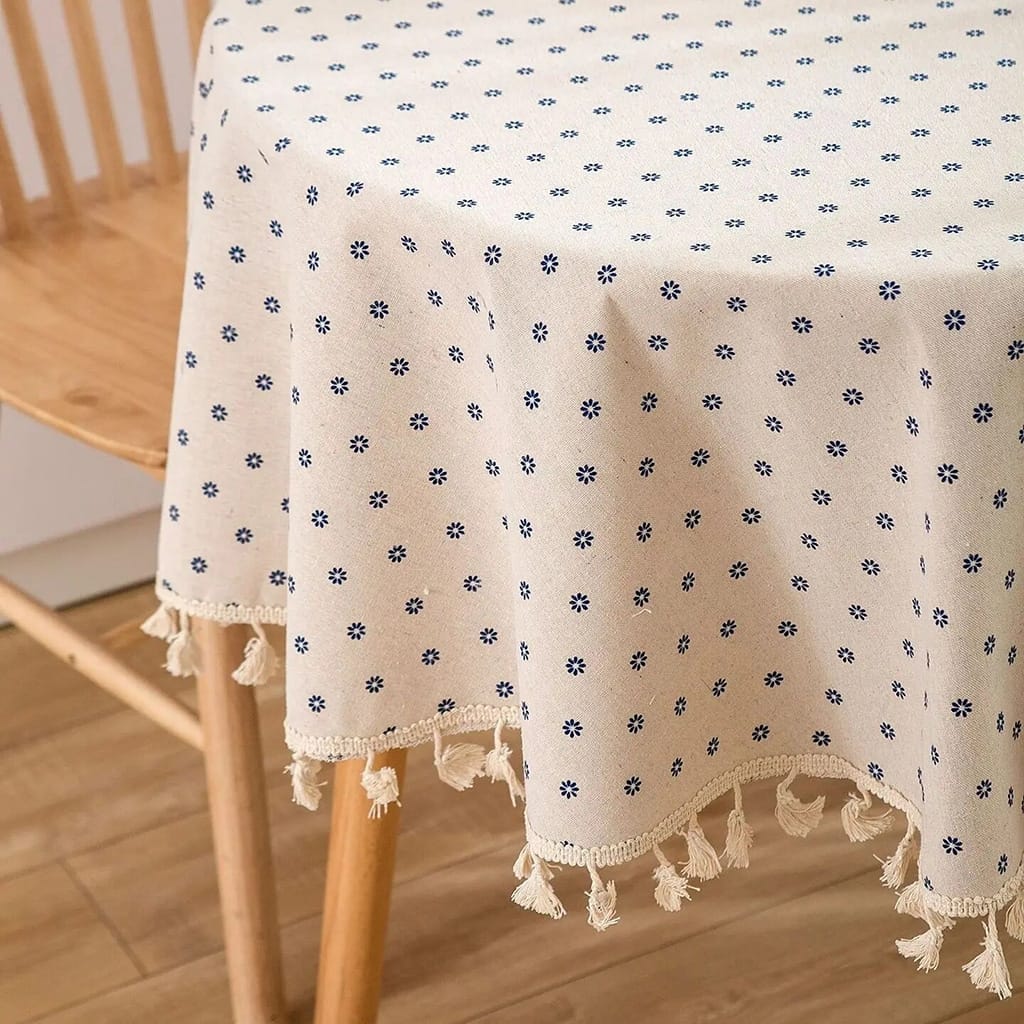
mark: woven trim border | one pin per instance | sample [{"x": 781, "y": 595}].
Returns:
[
  {"x": 225, "y": 614},
  {"x": 468, "y": 718}
]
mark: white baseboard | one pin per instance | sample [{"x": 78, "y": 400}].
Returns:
[{"x": 96, "y": 561}]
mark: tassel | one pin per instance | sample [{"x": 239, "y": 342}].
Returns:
[
  {"x": 600, "y": 902},
  {"x": 521, "y": 868},
  {"x": 857, "y": 825},
  {"x": 381, "y": 786},
  {"x": 160, "y": 624},
  {"x": 671, "y": 889},
  {"x": 535, "y": 892},
  {"x": 305, "y": 788},
  {"x": 923, "y": 948},
  {"x": 260, "y": 661},
  {"x": 894, "y": 867},
  {"x": 703, "y": 862},
  {"x": 796, "y": 818},
  {"x": 498, "y": 767},
  {"x": 739, "y": 836},
  {"x": 911, "y": 900},
  {"x": 1014, "y": 919},
  {"x": 458, "y": 764},
  {"x": 988, "y": 969},
  {"x": 182, "y": 653}
]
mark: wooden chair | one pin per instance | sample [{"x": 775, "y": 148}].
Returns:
[{"x": 91, "y": 279}]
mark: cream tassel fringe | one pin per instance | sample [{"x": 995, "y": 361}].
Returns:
[
  {"x": 911, "y": 900},
  {"x": 521, "y": 868},
  {"x": 305, "y": 788},
  {"x": 1014, "y": 919},
  {"x": 895, "y": 867},
  {"x": 672, "y": 888},
  {"x": 796, "y": 818},
  {"x": 458, "y": 764},
  {"x": 535, "y": 892},
  {"x": 739, "y": 837},
  {"x": 857, "y": 825},
  {"x": 600, "y": 902},
  {"x": 988, "y": 969},
  {"x": 703, "y": 862},
  {"x": 923, "y": 948},
  {"x": 161, "y": 623},
  {"x": 498, "y": 767},
  {"x": 260, "y": 661},
  {"x": 182, "y": 652},
  {"x": 381, "y": 786}
]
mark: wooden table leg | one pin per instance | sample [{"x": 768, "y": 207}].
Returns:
[
  {"x": 241, "y": 835},
  {"x": 360, "y": 866}
]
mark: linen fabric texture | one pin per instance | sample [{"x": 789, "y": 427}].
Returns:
[{"x": 648, "y": 378}]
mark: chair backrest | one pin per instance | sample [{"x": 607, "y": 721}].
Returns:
[{"x": 116, "y": 178}]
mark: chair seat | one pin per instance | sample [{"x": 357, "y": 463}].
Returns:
[{"x": 88, "y": 323}]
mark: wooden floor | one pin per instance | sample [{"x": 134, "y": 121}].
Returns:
[{"x": 108, "y": 910}]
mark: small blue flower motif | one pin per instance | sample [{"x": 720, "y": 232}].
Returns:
[
  {"x": 503, "y": 689},
  {"x": 820, "y": 738},
  {"x": 712, "y": 747},
  {"x": 575, "y": 666},
  {"x": 632, "y": 785},
  {"x": 199, "y": 564},
  {"x": 229, "y": 333},
  {"x": 719, "y": 687},
  {"x": 940, "y": 617},
  {"x": 488, "y": 636},
  {"x": 243, "y": 535},
  {"x": 889, "y": 290},
  {"x": 954, "y": 320},
  {"x": 254, "y": 460},
  {"x": 319, "y": 518},
  {"x": 606, "y": 274},
  {"x": 802, "y": 325},
  {"x": 983, "y": 790},
  {"x": 492, "y": 255},
  {"x": 1003, "y": 864},
  {"x": 572, "y": 728},
  {"x": 887, "y": 731},
  {"x": 210, "y": 489},
  {"x": 680, "y": 706},
  {"x": 875, "y": 771},
  {"x": 934, "y": 754},
  {"x": 316, "y": 703},
  {"x": 264, "y": 381},
  {"x": 322, "y": 324},
  {"x": 337, "y": 575},
  {"x": 244, "y": 174},
  {"x": 833, "y": 696},
  {"x": 374, "y": 684},
  {"x": 569, "y": 789},
  {"x": 845, "y": 655},
  {"x": 676, "y": 767},
  {"x": 237, "y": 254},
  {"x": 271, "y": 304},
  {"x": 445, "y": 706},
  {"x": 961, "y": 707},
  {"x": 431, "y": 656},
  {"x": 312, "y": 195},
  {"x": 379, "y": 309},
  {"x": 953, "y": 845},
  {"x": 313, "y": 260},
  {"x": 173, "y": 513},
  {"x": 947, "y": 473},
  {"x": 759, "y": 733},
  {"x": 579, "y": 602},
  {"x": 635, "y": 724},
  {"x": 773, "y": 679},
  {"x": 670, "y": 290},
  {"x": 301, "y": 645}
]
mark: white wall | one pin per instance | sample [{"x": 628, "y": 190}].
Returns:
[{"x": 62, "y": 503}]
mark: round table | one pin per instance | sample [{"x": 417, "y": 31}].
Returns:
[{"x": 649, "y": 380}]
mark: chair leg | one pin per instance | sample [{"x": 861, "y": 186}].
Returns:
[
  {"x": 360, "y": 866},
  {"x": 241, "y": 835}
]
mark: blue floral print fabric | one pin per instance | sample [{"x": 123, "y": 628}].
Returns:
[{"x": 647, "y": 377}]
